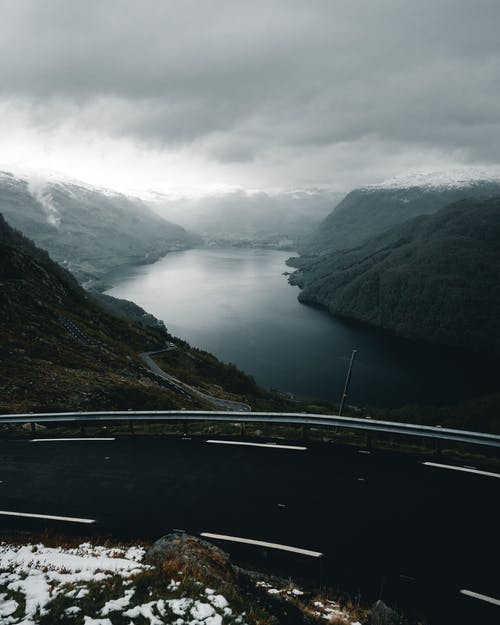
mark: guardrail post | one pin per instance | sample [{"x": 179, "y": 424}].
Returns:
[
  {"x": 33, "y": 428},
  {"x": 438, "y": 447},
  {"x": 304, "y": 430},
  {"x": 131, "y": 427},
  {"x": 185, "y": 428},
  {"x": 82, "y": 429},
  {"x": 243, "y": 430}
]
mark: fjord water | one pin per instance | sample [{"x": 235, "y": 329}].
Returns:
[{"x": 237, "y": 304}]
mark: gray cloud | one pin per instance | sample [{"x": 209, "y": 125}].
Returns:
[{"x": 245, "y": 82}]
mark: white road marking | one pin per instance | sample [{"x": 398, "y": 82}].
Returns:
[
  {"x": 46, "y": 516},
  {"x": 261, "y": 543},
  {"x": 65, "y": 440},
  {"x": 464, "y": 469},
  {"x": 363, "y": 451},
  {"x": 268, "y": 445},
  {"x": 477, "y": 595}
]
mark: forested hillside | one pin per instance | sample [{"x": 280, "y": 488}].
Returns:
[
  {"x": 369, "y": 211},
  {"x": 58, "y": 349},
  {"x": 434, "y": 278}
]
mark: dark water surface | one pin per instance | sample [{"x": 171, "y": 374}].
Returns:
[{"x": 237, "y": 304}]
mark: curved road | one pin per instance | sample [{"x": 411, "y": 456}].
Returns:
[
  {"x": 146, "y": 357},
  {"x": 388, "y": 525},
  {"x": 224, "y": 404}
]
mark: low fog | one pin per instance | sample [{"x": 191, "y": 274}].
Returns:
[{"x": 250, "y": 215}]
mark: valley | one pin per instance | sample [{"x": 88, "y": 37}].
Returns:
[
  {"x": 236, "y": 304},
  {"x": 249, "y": 312}
]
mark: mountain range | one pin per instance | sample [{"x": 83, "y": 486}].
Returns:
[
  {"x": 369, "y": 211},
  {"x": 433, "y": 277},
  {"x": 280, "y": 219},
  {"x": 88, "y": 230}
]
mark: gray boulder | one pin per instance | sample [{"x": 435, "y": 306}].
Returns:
[{"x": 193, "y": 556}]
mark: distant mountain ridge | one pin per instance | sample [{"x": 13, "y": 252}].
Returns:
[
  {"x": 434, "y": 278},
  {"x": 245, "y": 217},
  {"x": 369, "y": 211},
  {"x": 449, "y": 179},
  {"x": 90, "y": 231}
]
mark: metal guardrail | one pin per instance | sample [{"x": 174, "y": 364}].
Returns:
[{"x": 289, "y": 418}]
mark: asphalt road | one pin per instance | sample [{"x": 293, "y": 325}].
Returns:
[
  {"x": 182, "y": 387},
  {"x": 388, "y": 525}
]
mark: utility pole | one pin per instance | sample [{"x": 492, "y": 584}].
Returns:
[{"x": 347, "y": 381}]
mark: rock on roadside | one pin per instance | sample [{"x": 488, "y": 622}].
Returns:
[{"x": 193, "y": 556}]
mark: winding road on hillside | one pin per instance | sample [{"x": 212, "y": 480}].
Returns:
[
  {"x": 182, "y": 387},
  {"x": 146, "y": 357},
  {"x": 387, "y": 525}
]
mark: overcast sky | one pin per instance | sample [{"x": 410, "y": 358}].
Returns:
[{"x": 261, "y": 94}]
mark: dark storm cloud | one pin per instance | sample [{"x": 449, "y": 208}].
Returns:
[{"x": 241, "y": 79}]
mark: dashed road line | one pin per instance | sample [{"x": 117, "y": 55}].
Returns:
[
  {"x": 262, "y": 543},
  {"x": 268, "y": 445},
  {"x": 50, "y": 517},
  {"x": 463, "y": 469},
  {"x": 68, "y": 440},
  {"x": 477, "y": 595}
]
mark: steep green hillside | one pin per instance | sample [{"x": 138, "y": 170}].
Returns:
[
  {"x": 364, "y": 213},
  {"x": 59, "y": 350},
  {"x": 435, "y": 278},
  {"x": 62, "y": 348},
  {"x": 89, "y": 231}
]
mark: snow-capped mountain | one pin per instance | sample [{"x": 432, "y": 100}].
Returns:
[
  {"x": 453, "y": 179},
  {"x": 369, "y": 211},
  {"x": 91, "y": 231}
]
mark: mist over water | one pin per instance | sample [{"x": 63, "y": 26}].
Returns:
[{"x": 237, "y": 304}]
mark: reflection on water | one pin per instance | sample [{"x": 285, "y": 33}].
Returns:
[{"x": 237, "y": 304}]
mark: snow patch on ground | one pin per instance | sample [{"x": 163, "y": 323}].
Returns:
[
  {"x": 115, "y": 605},
  {"x": 32, "y": 576},
  {"x": 38, "y": 572},
  {"x": 327, "y": 609},
  {"x": 7, "y": 606},
  {"x": 60, "y": 584},
  {"x": 87, "y": 620}
]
